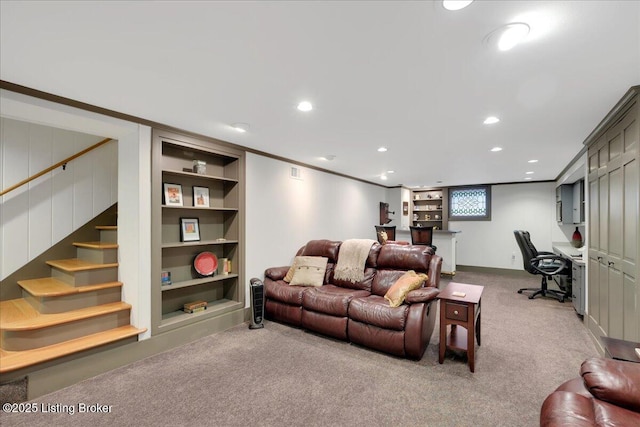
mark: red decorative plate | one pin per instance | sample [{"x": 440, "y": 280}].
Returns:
[{"x": 206, "y": 263}]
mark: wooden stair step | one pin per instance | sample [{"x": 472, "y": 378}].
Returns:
[
  {"x": 14, "y": 360},
  {"x": 106, "y": 227},
  {"x": 52, "y": 287},
  {"x": 75, "y": 264},
  {"x": 19, "y": 315},
  {"x": 95, "y": 245}
]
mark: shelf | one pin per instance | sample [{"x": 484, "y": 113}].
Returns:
[
  {"x": 457, "y": 338},
  {"x": 199, "y": 175},
  {"x": 198, "y": 208},
  {"x": 197, "y": 282},
  {"x": 198, "y": 243},
  {"x": 427, "y": 210},
  {"x": 214, "y": 308}
]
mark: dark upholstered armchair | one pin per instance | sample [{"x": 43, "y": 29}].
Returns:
[{"x": 546, "y": 264}]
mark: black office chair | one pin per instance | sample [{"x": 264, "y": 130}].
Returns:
[
  {"x": 422, "y": 236},
  {"x": 546, "y": 264},
  {"x": 389, "y": 229}
]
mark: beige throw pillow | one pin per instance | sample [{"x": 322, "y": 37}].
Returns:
[
  {"x": 406, "y": 283},
  {"x": 309, "y": 271},
  {"x": 289, "y": 275}
]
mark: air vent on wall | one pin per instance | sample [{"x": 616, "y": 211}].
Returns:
[{"x": 295, "y": 173}]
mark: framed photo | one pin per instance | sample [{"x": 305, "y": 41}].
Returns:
[
  {"x": 172, "y": 194},
  {"x": 189, "y": 230},
  {"x": 201, "y": 197}
]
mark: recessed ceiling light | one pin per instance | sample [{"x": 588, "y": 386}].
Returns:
[
  {"x": 391, "y": 171},
  {"x": 496, "y": 149},
  {"x": 456, "y": 4},
  {"x": 240, "y": 127},
  {"x": 438, "y": 182},
  {"x": 491, "y": 120},
  {"x": 382, "y": 149},
  {"x": 305, "y": 106},
  {"x": 529, "y": 173},
  {"x": 527, "y": 178},
  {"x": 512, "y": 34},
  {"x": 328, "y": 157},
  {"x": 533, "y": 161},
  {"x": 383, "y": 177},
  {"x": 507, "y": 36}
]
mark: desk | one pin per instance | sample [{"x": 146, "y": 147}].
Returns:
[
  {"x": 577, "y": 274},
  {"x": 460, "y": 311},
  {"x": 620, "y": 349}
]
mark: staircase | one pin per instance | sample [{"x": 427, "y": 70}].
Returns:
[{"x": 78, "y": 308}]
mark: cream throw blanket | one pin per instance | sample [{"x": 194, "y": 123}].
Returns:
[{"x": 352, "y": 258}]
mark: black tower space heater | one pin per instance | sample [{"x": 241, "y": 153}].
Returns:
[{"x": 257, "y": 304}]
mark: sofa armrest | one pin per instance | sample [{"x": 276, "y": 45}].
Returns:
[
  {"x": 564, "y": 408},
  {"x": 276, "y": 273},
  {"x": 613, "y": 381},
  {"x": 435, "y": 267},
  {"x": 422, "y": 295}
]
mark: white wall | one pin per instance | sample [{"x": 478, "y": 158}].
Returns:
[
  {"x": 284, "y": 213},
  {"x": 41, "y": 213},
  {"x": 529, "y": 206},
  {"x": 395, "y": 197}
]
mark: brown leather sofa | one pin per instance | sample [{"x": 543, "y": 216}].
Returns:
[
  {"x": 357, "y": 312},
  {"x": 607, "y": 393}
]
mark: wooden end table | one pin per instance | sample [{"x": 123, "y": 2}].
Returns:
[
  {"x": 457, "y": 310},
  {"x": 620, "y": 349}
]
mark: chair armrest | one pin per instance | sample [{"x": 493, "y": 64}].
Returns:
[
  {"x": 613, "y": 381},
  {"x": 276, "y": 273},
  {"x": 535, "y": 262},
  {"x": 547, "y": 253},
  {"x": 422, "y": 295}
]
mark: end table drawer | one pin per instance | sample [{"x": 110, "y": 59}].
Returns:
[{"x": 456, "y": 311}]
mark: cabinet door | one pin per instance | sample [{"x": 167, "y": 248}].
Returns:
[{"x": 593, "y": 290}]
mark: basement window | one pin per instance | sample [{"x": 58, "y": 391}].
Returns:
[{"x": 470, "y": 203}]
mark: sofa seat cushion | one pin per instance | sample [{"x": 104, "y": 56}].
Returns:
[
  {"x": 330, "y": 299},
  {"x": 375, "y": 310},
  {"x": 281, "y": 291}
]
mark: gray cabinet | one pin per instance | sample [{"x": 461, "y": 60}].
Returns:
[
  {"x": 578, "y": 202},
  {"x": 570, "y": 203},
  {"x": 614, "y": 182},
  {"x": 577, "y": 287},
  {"x": 564, "y": 204}
]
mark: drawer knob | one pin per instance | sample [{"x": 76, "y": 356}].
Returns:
[{"x": 455, "y": 312}]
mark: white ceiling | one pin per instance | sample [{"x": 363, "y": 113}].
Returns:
[{"x": 407, "y": 75}]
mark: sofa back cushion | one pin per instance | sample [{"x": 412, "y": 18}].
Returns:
[
  {"x": 319, "y": 248},
  {"x": 405, "y": 257},
  {"x": 324, "y": 248},
  {"x": 394, "y": 260},
  {"x": 369, "y": 272}
]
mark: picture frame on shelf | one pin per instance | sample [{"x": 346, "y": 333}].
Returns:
[
  {"x": 172, "y": 194},
  {"x": 189, "y": 230},
  {"x": 200, "y": 197}
]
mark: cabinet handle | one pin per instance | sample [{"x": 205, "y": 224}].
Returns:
[
  {"x": 599, "y": 258},
  {"x": 611, "y": 263},
  {"x": 455, "y": 312}
]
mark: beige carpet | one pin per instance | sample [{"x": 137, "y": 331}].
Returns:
[{"x": 282, "y": 376}]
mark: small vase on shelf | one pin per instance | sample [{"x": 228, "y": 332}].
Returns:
[{"x": 576, "y": 239}]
